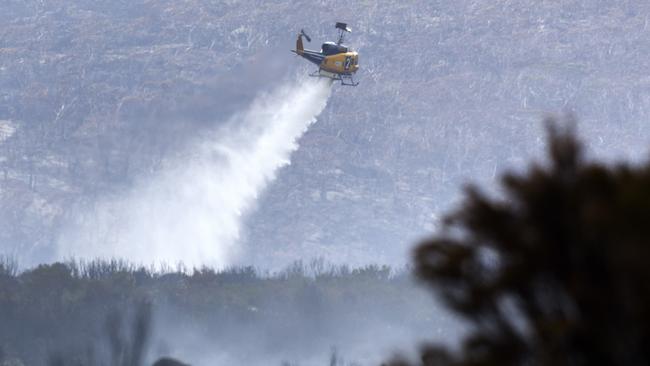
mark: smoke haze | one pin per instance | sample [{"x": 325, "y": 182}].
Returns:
[{"x": 191, "y": 211}]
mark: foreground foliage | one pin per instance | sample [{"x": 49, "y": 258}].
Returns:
[{"x": 555, "y": 273}]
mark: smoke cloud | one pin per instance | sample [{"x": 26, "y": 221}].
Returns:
[{"x": 192, "y": 211}]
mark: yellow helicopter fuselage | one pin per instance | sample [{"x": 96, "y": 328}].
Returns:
[{"x": 341, "y": 63}]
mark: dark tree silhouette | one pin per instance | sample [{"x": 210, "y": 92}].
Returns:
[
  {"x": 166, "y": 361},
  {"x": 556, "y": 272}
]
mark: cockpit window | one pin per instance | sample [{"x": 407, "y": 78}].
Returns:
[{"x": 331, "y": 48}]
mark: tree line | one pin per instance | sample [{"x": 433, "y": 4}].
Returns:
[{"x": 51, "y": 312}]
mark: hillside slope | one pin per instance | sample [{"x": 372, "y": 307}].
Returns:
[{"x": 95, "y": 96}]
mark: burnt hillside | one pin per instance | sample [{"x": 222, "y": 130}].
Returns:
[{"x": 94, "y": 95}]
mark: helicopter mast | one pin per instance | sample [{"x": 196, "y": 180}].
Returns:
[{"x": 342, "y": 27}]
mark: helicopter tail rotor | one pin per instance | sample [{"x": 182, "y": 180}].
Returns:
[{"x": 302, "y": 33}]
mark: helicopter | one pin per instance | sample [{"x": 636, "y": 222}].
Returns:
[{"x": 335, "y": 60}]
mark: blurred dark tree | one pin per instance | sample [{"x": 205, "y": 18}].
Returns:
[
  {"x": 168, "y": 362},
  {"x": 555, "y": 272}
]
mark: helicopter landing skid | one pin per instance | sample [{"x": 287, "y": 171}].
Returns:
[{"x": 346, "y": 80}]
